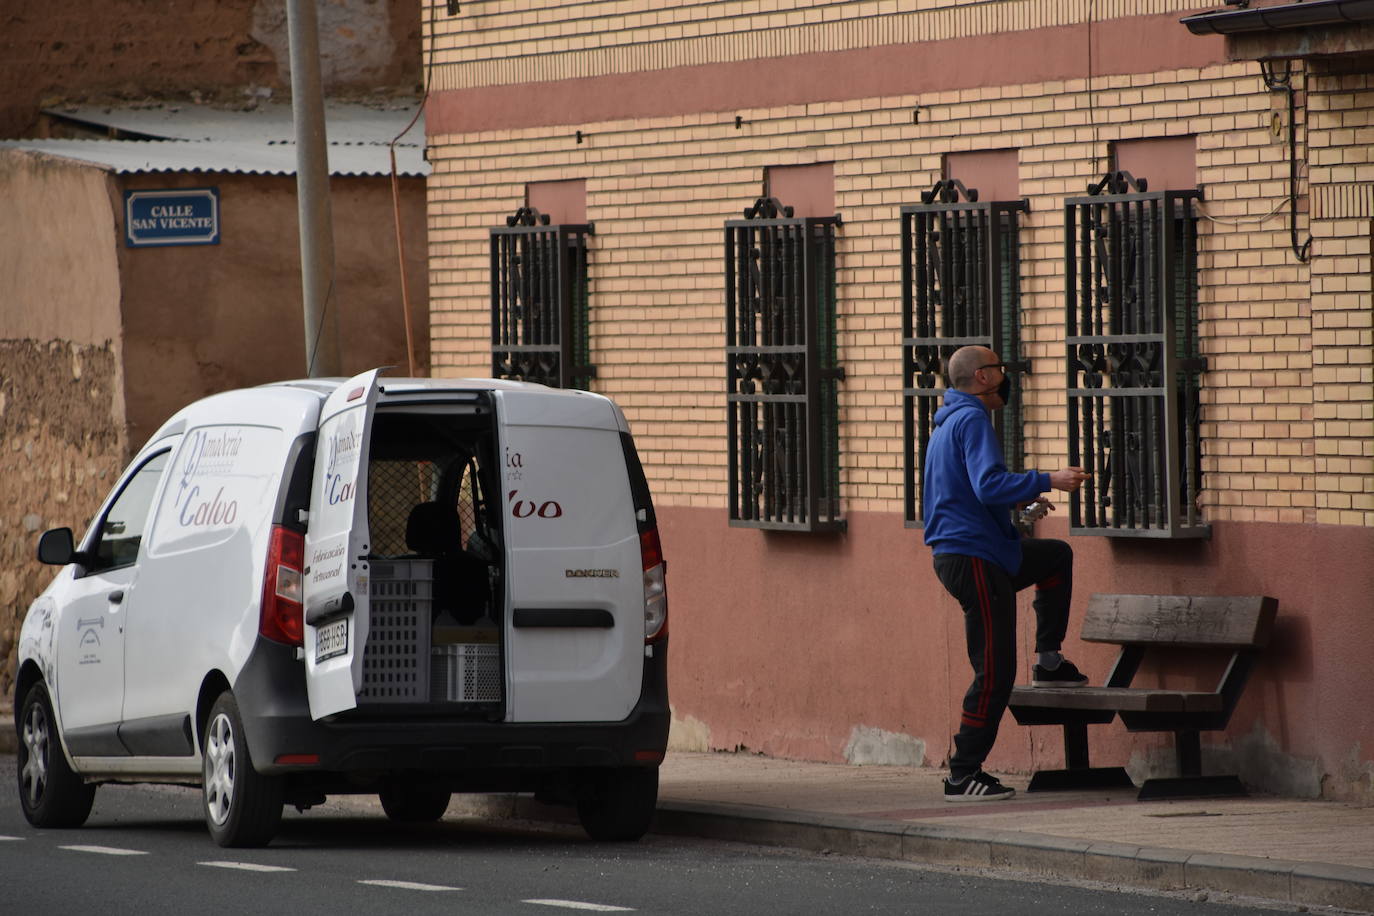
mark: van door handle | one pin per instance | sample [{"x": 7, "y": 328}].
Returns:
[
  {"x": 116, "y": 596},
  {"x": 558, "y": 618}
]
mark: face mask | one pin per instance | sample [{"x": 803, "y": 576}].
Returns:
[{"x": 1003, "y": 390}]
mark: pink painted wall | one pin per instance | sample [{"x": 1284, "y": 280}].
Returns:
[
  {"x": 784, "y": 644},
  {"x": 802, "y": 79}
]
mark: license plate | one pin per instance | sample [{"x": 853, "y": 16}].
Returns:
[{"x": 331, "y": 639}]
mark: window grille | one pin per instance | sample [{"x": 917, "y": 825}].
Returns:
[
  {"x": 1133, "y": 361},
  {"x": 781, "y": 369},
  {"x": 539, "y": 301},
  {"x": 961, "y": 286}
]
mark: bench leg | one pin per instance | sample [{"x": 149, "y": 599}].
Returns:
[
  {"x": 1188, "y": 747},
  {"x": 1077, "y": 774},
  {"x": 1190, "y": 783}
]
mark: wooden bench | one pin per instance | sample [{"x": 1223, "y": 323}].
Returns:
[{"x": 1155, "y": 624}]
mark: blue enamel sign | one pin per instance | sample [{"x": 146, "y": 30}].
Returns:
[{"x": 186, "y": 216}]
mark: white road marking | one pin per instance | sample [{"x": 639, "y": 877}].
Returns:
[
  {"x": 106, "y": 850},
  {"x": 245, "y": 866},
  {"x": 409, "y": 885},
  {"x": 578, "y": 905},
  {"x": 14, "y": 838}
]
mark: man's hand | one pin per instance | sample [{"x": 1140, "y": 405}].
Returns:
[
  {"x": 1068, "y": 479},
  {"x": 1035, "y": 510}
]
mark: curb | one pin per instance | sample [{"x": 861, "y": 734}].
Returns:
[
  {"x": 9, "y": 738},
  {"x": 1299, "y": 883}
]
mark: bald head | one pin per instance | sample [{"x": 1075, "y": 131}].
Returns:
[{"x": 965, "y": 362}]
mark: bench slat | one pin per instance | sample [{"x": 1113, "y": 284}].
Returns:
[
  {"x": 1235, "y": 622},
  {"x": 1128, "y": 699}
]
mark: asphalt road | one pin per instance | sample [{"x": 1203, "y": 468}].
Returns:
[{"x": 145, "y": 851}]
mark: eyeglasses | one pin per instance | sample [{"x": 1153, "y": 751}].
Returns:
[{"x": 1001, "y": 366}]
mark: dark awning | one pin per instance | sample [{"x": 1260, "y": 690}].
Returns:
[{"x": 1287, "y": 16}]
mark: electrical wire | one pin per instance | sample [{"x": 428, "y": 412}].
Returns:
[
  {"x": 1201, "y": 210},
  {"x": 428, "y": 72},
  {"x": 319, "y": 328}
]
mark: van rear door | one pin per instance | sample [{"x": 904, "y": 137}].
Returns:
[
  {"x": 575, "y": 625},
  {"x": 335, "y": 590}
]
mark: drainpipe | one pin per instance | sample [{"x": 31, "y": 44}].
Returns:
[{"x": 312, "y": 193}]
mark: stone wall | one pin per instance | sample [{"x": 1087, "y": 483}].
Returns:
[
  {"x": 229, "y": 49},
  {"x": 60, "y": 450}
]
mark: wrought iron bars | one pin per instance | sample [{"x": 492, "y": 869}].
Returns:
[
  {"x": 961, "y": 273},
  {"x": 781, "y": 369},
  {"x": 1133, "y": 362},
  {"x": 539, "y": 301}
]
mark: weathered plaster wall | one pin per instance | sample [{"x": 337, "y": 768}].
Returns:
[
  {"x": 59, "y": 278},
  {"x": 202, "y": 319},
  {"x": 62, "y": 434},
  {"x": 363, "y": 43}
]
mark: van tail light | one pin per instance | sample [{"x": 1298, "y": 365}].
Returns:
[
  {"x": 655, "y": 587},
  {"x": 282, "y": 618}
]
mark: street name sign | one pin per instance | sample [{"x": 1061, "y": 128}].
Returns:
[{"x": 185, "y": 216}]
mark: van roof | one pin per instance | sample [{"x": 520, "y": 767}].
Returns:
[
  {"x": 295, "y": 403},
  {"x": 326, "y": 386}
]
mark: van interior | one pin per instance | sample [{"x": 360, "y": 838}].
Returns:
[{"x": 435, "y": 625}]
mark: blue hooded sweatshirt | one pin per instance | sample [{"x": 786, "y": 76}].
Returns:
[{"x": 969, "y": 493}]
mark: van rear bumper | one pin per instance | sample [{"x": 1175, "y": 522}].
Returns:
[{"x": 376, "y": 740}]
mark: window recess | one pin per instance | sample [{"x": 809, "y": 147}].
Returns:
[
  {"x": 782, "y": 371},
  {"x": 1133, "y": 361},
  {"x": 961, "y": 286},
  {"x": 540, "y": 301}
]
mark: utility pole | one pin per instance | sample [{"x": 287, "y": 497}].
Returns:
[{"x": 312, "y": 193}]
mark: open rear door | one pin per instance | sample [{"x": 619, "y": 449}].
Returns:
[{"x": 336, "y": 548}]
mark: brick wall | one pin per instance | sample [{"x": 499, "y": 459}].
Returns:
[
  {"x": 1342, "y": 174},
  {"x": 1287, "y": 402}
]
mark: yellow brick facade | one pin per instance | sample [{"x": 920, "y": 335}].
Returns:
[
  {"x": 546, "y": 40},
  {"x": 1288, "y": 403}
]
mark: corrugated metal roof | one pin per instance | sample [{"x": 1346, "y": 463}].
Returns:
[
  {"x": 344, "y": 122},
  {"x": 236, "y": 156},
  {"x": 258, "y": 142}
]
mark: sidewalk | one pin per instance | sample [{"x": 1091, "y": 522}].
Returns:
[{"x": 1311, "y": 853}]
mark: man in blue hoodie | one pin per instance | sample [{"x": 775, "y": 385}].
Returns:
[{"x": 982, "y": 561}]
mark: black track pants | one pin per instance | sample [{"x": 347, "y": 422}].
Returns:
[{"x": 988, "y": 596}]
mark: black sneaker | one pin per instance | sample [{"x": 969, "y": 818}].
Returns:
[
  {"x": 980, "y": 787},
  {"x": 1066, "y": 675}
]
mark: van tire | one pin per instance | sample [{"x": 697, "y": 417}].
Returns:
[
  {"x": 50, "y": 792},
  {"x": 413, "y": 804},
  {"x": 242, "y": 807},
  {"x": 618, "y": 805}
]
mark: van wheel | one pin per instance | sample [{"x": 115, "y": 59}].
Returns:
[
  {"x": 242, "y": 807},
  {"x": 50, "y": 792},
  {"x": 413, "y": 804},
  {"x": 619, "y": 804}
]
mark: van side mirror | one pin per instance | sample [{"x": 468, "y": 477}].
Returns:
[{"x": 56, "y": 548}]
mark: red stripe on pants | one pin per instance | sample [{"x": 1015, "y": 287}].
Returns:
[{"x": 989, "y": 653}]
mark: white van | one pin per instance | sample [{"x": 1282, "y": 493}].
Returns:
[{"x": 406, "y": 587}]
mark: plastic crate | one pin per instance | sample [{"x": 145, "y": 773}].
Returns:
[
  {"x": 466, "y": 673},
  {"x": 396, "y": 657}
]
